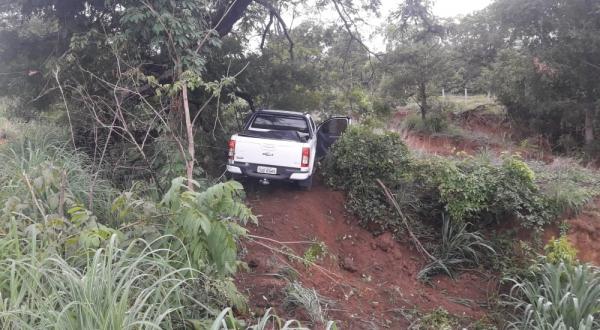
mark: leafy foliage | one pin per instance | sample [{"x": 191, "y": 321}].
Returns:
[
  {"x": 206, "y": 224},
  {"x": 357, "y": 160},
  {"x": 560, "y": 251},
  {"x": 473, "y": 190},
  {"x": 315, "y": 252},
  {"x": 58, "y": 256},
  {"x": 549, "y": 82},
  {"x": 568, "y": 187},
  {"x": 557, "y": 296}
]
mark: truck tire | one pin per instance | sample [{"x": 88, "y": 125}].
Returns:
[{"x": 306, "y": 184}]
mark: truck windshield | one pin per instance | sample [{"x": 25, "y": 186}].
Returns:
[{"x": 280, "y": 123}]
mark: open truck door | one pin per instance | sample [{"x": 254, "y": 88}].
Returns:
[{"x": 328, "y": 132}]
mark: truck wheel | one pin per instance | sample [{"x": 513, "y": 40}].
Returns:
[{"x": 306, "y": 184}]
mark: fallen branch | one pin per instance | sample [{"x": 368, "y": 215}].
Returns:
[{"x": 414, "y": 238}]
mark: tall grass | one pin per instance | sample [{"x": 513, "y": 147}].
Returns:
[
  {"x": 35, "y": 159},
  {"x": 269, "y": 321},
  {"x": 567, "y": 185},
  {"x": 557, "y": 296},
  {"x": 459, "y": 248},
  {"x": 137, "y": 287}
]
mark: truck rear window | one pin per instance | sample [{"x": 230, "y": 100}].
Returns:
[{"x": 280, "y": 123}]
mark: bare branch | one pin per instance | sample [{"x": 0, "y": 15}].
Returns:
[
  {"x": 394, "y": 203},
  {"x": 66, "y": 107},
  {"x": 351, "y": 28},
  {"x": 274, "y": 12},
  {"x": 264, "y": 35}
]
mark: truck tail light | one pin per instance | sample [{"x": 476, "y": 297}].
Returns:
[
  {"x": 305, "y": 157},
  {"x": 231, "y": 151}
]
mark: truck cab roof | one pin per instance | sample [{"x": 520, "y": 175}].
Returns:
[{"x": 283, "y": 112}]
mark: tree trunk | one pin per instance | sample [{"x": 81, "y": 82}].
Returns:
[
  {"x": 189, "y": 166},
  {"x": 423, "y": 100},
  {"x": 589, "y": 125}
]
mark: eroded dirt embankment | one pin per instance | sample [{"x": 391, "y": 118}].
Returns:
[
  {"x": 479, "y": 133},
  {"x": 490, "y": 133},
  {"x": 371, "y": 280}
]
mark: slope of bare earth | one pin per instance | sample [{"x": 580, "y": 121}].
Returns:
[{"x": 371, "y": 281}]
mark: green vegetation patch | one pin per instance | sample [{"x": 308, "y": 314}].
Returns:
[{"x": 357, "y": 160}]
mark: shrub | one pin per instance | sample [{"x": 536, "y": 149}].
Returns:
[
  {"x": 316, "y": 251},
  {"x": 357, "y": 160},
  {"x": 560, "y": 250},
  {"x": 207, "y": 223},
  {"x": 557, "y": 296},
  {"x": 469, "y": 190},
  {"x": 37, "y": 161},
  {"x": 473, "y": 190},
  {"x": 434, "y": 123},
  {"x": 381, "y": 108}
]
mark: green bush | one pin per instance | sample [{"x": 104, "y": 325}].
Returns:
[
  {"x": 434, "y": 123},
  {"x": 469, "y": 190},
  {"x": 357, "y": 160},
  {"x": 474, "y": 190},
  {"x": 560, "y": 250},
  {"x": 66, "y": 264},
  {"x": 37, "y": 160}
]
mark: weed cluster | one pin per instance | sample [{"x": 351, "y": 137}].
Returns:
[
  {"x": 434, "y": 123},
  {"x": 77, "y": 253},
  {"x": 557, "y": 293}
]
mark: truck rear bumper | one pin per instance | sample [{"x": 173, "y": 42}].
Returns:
[{"x": 283, "y": 173}]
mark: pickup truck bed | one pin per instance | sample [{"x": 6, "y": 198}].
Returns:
[{"x": 278, "y": 145}]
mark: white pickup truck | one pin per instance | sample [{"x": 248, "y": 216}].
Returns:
[{"x": 282, "y": 145}]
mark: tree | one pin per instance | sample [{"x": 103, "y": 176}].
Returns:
[
  {"x": 416, "y": 52},
  {"x": 561, "y": 40}
]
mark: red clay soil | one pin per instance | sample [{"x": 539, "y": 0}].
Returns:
[
  {"x": 484, "y": 133},
  {"x": 584, "y": 233},
  {"x": 370, "y": 280}
]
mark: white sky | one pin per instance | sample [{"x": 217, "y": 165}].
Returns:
[
  {"x": 451, "y": 8},
  {"x": 375, "y": 40},
  {"x": 441, "y": 8}
]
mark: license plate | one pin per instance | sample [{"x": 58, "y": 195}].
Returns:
[{"x": 266, "y": 170}]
